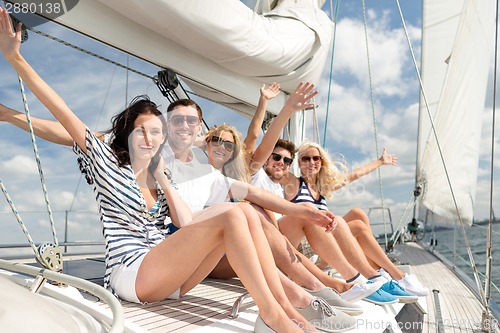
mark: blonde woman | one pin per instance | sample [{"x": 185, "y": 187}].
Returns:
[{"x": 225, "y": 153}]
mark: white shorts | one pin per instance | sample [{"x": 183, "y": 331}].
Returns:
[{"x": 122, "y": 280}]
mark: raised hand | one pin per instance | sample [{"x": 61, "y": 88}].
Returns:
[
  {"x": 388, "y": 158},
  {"x": 9, "y": 40},
  {"x": 270, "y": 92},
  {"x": 301, "y": 97}
]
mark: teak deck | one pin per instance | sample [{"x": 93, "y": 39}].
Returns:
[{"x": 205, "y": 306}]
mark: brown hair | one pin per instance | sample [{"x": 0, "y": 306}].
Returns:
[
  {"x": 185, "y": 102},
  {"x": 288, "y": 145}
]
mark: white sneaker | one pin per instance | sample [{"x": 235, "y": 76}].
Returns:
[
  {"x": 360, "y": 291},
  {"x": 410, "y": 283},
  {"x": 384, "y": 273}
]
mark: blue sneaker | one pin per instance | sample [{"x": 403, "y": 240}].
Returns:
[
  {"x": 381, "y": 297},
  {"x": 393, "y": 288}
]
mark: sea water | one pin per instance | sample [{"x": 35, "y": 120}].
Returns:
[{"x": 477, "y": 239}]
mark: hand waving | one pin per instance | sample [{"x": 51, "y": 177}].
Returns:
[
  {"x": 9, "y": 40},
  {"x": 271, "y": 91},
  {"x": 388, "y": 158},
  {"x": 301, "y": 97}
]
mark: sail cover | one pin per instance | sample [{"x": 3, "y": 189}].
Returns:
[
  {"x": 222, "y": 49},
  {"x": 457, "y": 44}
]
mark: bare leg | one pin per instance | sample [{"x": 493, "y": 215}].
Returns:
[
  {"x": 293, "y": 263},
  {"x": 271, "y": 273},
  {"x": 338, "y": 248},
  {"x": 200, "y": 246},
  {"x": 361, "y": 230},
  {"x": 324, "y": 278},
  {"x": 289, "y": 260}
]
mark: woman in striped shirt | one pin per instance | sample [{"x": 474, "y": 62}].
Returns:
[{"x": 134, "y": 194}]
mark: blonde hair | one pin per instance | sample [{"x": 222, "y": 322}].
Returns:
[
  {"x": 236, "y": 167},
  {"x": 332, "y": 174}
]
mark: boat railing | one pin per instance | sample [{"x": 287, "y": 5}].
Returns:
[
  {"x": 117, "y": 323},
  {"x": 94, "y": 245},
  {"x": 382, "y": 229}
]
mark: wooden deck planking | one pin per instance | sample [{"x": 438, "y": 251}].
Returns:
[
  {"x": 207, "y": 303},
  {"x": 212, "y": 300},
  {"x": 460, "y": 309}
]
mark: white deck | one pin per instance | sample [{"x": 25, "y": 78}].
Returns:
[{"x": 460, "y": 309}]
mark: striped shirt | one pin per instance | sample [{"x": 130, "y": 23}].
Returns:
[
  {"x": 130, "y": 231},
  {"x": 304, "y": 195}
]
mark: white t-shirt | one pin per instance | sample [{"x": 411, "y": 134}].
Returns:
[
  {"x": 261, "y": 179},
  {"x": 199, "y": 184},
  {"x": 204, "y": 191}
]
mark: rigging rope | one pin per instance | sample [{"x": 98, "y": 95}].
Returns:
[
  {"x": 434, "y": 132},
  {"x": 19, "y": 220},
  {"x": 38, "y": 162},
  {"x": 381, "y": 189},
  {"x": 89, "y": 53}
]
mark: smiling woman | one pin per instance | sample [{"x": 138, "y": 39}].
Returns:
[{"x": 225, "y": 153}]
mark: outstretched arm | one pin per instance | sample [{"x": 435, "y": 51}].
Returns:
[
  {"x": 265, "y": 199},
  {"x": 48, "y": 130},
  {"x": 298, "y": 100},
  {"x": 9, "y": 46},
  {"x": 258, "y": 117},
  {"x": 385, "y": 158}
]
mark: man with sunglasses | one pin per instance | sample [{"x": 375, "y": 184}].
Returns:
[
  {"x": 200, "y": 186},
  {"x": 270, "y": 164}
]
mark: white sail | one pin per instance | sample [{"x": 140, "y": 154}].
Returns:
[
  {"x": 222, "y": 49},
  {"x": 457, "y": 46}
]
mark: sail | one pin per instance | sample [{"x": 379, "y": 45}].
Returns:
[
  {"x": 222, "y": 49},
  {"x": 457, "y": 41}
]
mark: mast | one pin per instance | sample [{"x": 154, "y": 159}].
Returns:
[
  {"x": 417, "y": 189},
  {"x": 486, "y": 316}
]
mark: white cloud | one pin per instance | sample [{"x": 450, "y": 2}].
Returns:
[{"x": 21, "y": 166}]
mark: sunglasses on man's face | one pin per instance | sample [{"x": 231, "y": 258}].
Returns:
[
  {"x": 278, "y": 157},
  {"x": 179, "y": 120},
  {"x": 307, "y": 158},
  {"x": 217, "y": 141}
]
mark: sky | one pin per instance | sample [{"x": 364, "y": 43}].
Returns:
[{"x": 96, "y": 90}]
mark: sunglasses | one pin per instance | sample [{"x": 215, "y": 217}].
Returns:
[
  {"x": 306, "y": 158},
  {"x": 277, "y": 158},
  {"x": 179, "y": 120},
  {"x": 228, "y": 145}
]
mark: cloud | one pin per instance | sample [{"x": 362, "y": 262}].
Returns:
[{"x": 21, "y": 166}]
